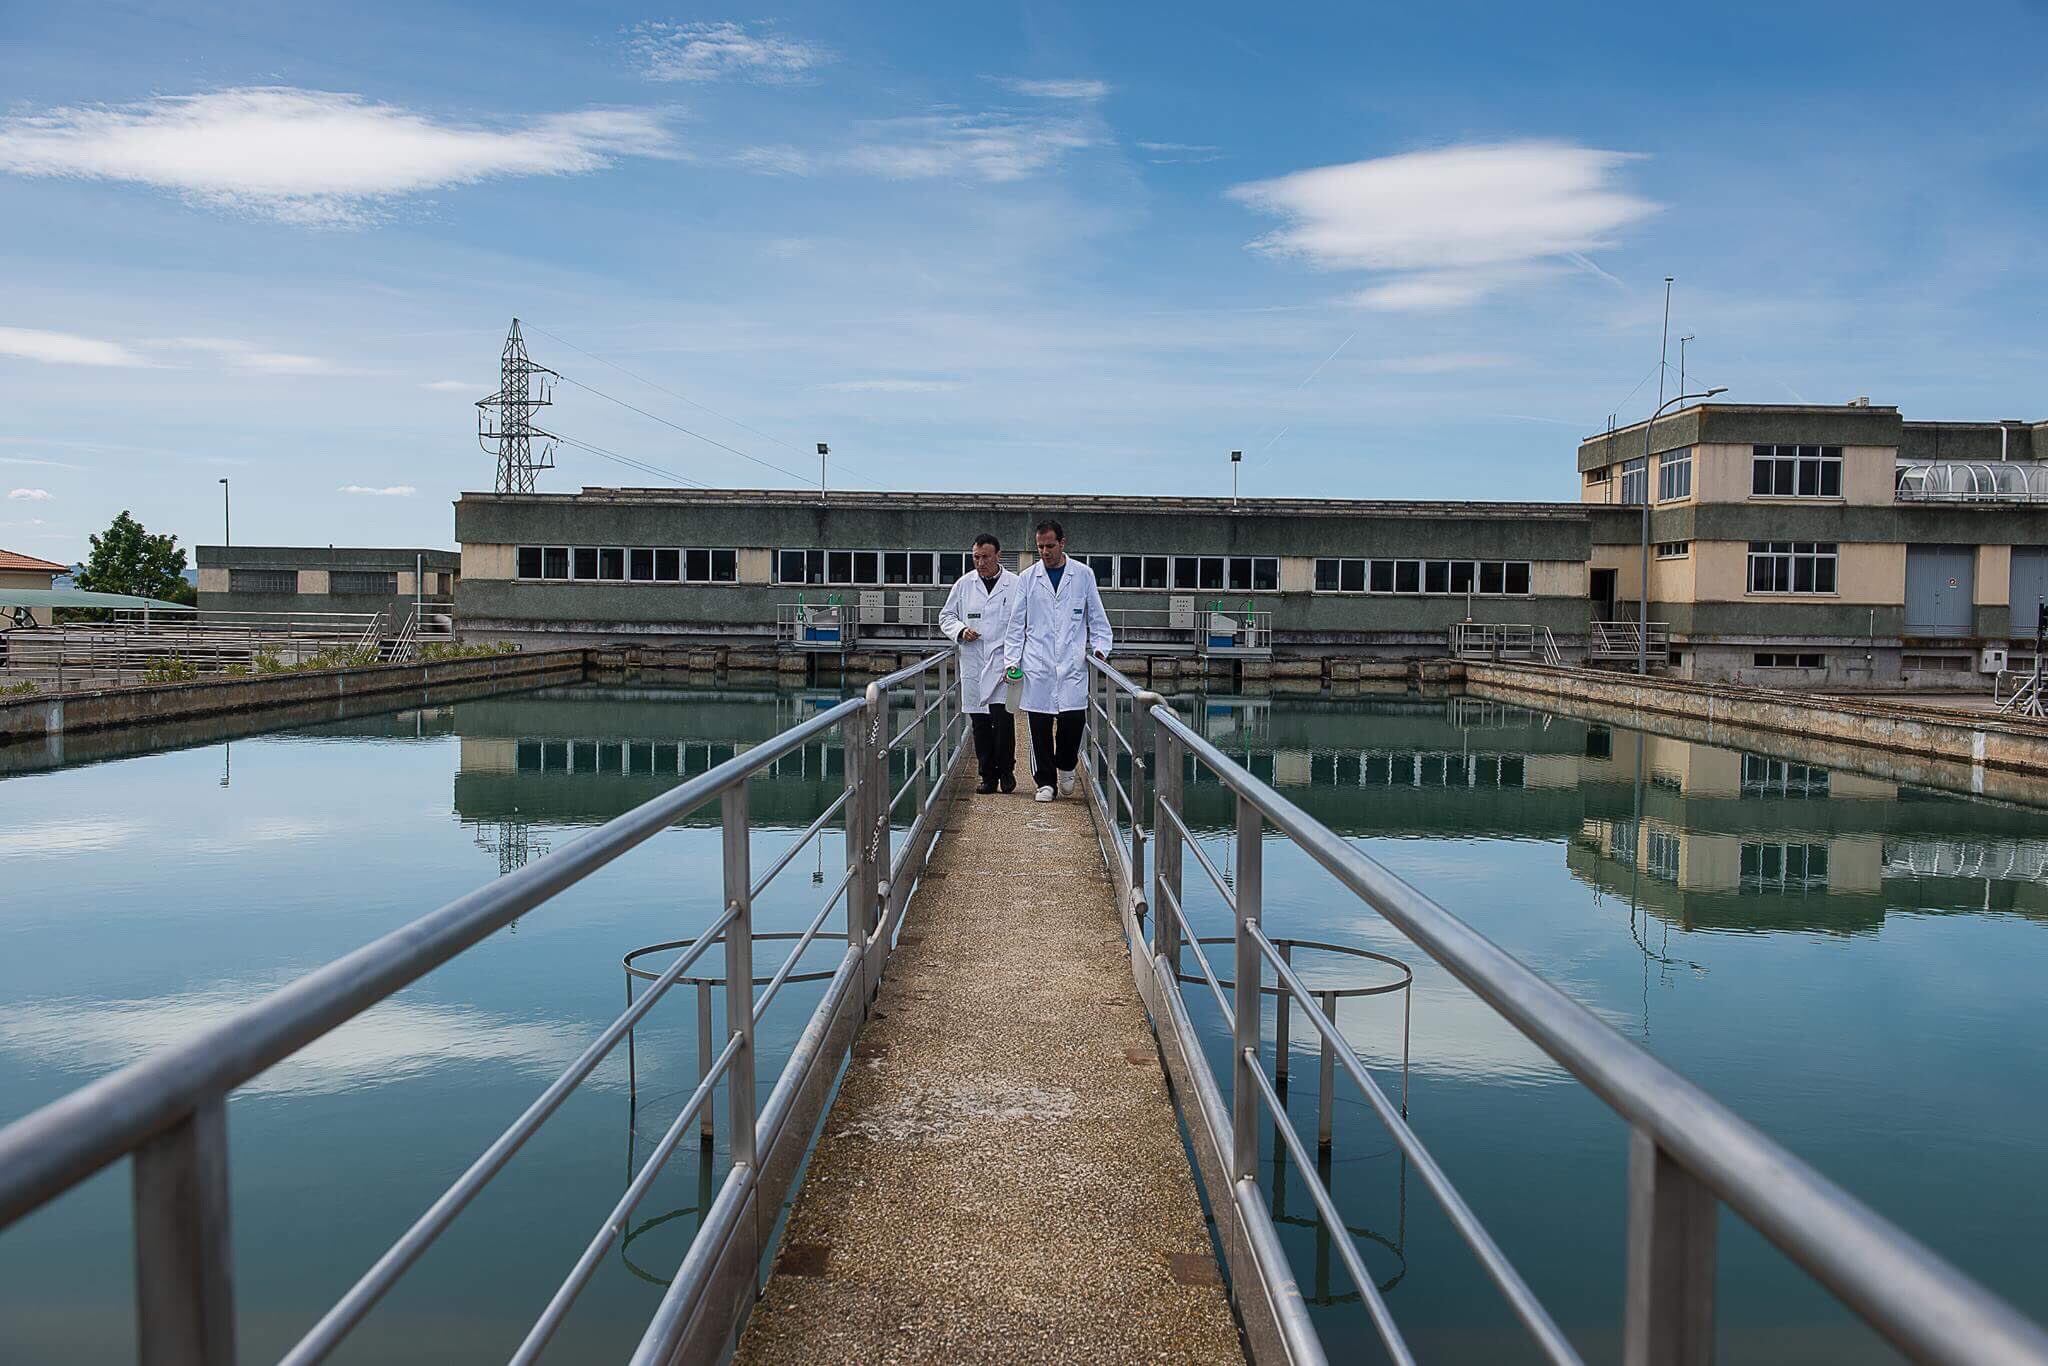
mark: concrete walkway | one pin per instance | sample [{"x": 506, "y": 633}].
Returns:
[{"x": 1001, "y": 1178}]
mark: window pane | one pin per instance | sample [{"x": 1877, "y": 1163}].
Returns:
[
  {"x": 1407, "y": 576},
  {"x": 867, "y": 567},
  {"x": 725, "y": 566},
  {"x": 839, "y": 567},
  {"x": 1461, "y": 576},
  {"x": 611, "y": 563},
  {"x": 1760, "y": 477},
  {"x": 1326, "y": 576},
  {"x": 1809, "y": 477},
  {"x": 895, "y": 566},
  {"x": 1831, "y": 479},
  {"x": 697, "y": 566},
  {"x": 1518, "y": 576},
  {"x": 1184, "y": 571},
  {"x": 789, "y": 566},
  {"x": 529, "y": 562},
  {"x": 1382, "y": 576},
  {"x": 814, "y": 565},
  {"x": 1436, "y": 576},
  {"x": 1783, "y": 475},
  {"x": 586, "y": 562},
  {"x": 1824, "y": 574},
  {"x": 1491, "y": 576},
  {"x": 1265, "y": 574},
  {"x": 952, "y": 564},
  {"x": 1802, "y": 574},
  {"x": 555, "y": 562},
  {"x": 1240, "y": 573},
  {"x": 1155, "y": 571},
  {"x": 668, "y": 565},
  {"x": 1212, "y": 571},
  {"x": 1351, "y": 575},
  {"x": 642, "y": 566},
  {"x": 923, "y": 566},
  {"x": 1130, "y": 571}
]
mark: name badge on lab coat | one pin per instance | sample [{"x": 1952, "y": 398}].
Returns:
[{"x": 1077, "y": 611}]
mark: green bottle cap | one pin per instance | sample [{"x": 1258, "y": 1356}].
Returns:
[{"x": 1013, "y": 673}]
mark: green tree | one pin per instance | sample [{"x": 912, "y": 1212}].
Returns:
[{"x": 128, "y": 559}]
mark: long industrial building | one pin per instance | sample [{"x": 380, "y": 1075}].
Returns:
[{"x": 1791, "y": 545}]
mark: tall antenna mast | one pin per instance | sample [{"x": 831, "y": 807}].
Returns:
[{"x": 504, "y": 421}]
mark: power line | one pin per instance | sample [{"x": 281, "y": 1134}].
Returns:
[
  {"x": 677, "y": 426},
  {"x": 630, "y": 462},
  {"x": 685, "y": 398}
]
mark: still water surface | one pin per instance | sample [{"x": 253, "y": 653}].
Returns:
[{"x": 1852, "y": 964}]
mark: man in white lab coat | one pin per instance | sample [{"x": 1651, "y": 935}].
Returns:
[
  {"x": 976, "y": 618},
  {"x": 1058, "y": 620}
]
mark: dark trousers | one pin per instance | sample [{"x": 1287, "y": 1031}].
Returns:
[
  {"x": 1055, "y": 743},
  {"x": 995, "y": 743}
]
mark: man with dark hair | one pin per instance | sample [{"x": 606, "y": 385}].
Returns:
[
  {"x": 1057, "y": 621},
  {"x": 976, "y": 618}
]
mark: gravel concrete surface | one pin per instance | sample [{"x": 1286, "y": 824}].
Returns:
[{"x": 1001, "y": 1177}]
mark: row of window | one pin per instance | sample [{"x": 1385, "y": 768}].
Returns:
[
  {"x": 380, "y": 583},
  {"x": 1796, "y": 471},
  {"x": 1674, "y": 475},
  {"x": 1486, "y": 577},
  {"x": 628, "y": 564},
  {"x": 1792, "y": 566},
  {"x": 1788, "y": 659},
  {"x": 1673, "y": 550},
  {"x": 872, "y": 568},
  {"x": 1228, "y": 573},
  {"x": 1765, "y": 776},
  {"x": 1770, "y": 866}
]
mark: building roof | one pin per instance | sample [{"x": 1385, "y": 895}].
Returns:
[
  {"x": 16, "y": 563},
  {"x": 1064, "y": 503}
]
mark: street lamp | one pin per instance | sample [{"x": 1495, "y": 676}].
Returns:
[
  {"x": 227, "y": 536},
  {"x": 1236, "y": 459},
  {"x": 1643, "y": 616},
  {"x": 823, "y": 451}
]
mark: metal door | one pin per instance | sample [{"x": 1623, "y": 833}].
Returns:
[
  {"x": 1941, "y": 585},
  {"x": 2029, "y": 586}
]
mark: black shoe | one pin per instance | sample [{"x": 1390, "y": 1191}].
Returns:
[
  {"x": 1008, "y": 782},
  {"x": 985, "y": 786}
]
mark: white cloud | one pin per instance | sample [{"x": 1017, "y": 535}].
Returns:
[
  {"x": 30, "y": 495},
  {"x": 247, "y": 356},
  {"x": 1058, "y": 90},
  {"x": 1180, "y": 153},
  {"x": 448, "y": 386},
  {"x": 894, "y": 386},
  {"x": 990, "y": 147},
  {"x": 723, "y": 51},
  {"x": 64, "y": 348},
  {"x": 310, "y": 156},
  {"x": 391, "y": 491},
  {"x": 1447, "y": 227},
  {"x": 777, "y": 159},
  {"x": 1444, "y": 363}
]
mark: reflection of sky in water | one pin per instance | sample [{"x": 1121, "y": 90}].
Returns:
[{"x": 1873, "y": 1008}]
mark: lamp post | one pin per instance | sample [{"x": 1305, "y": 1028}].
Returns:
[
  {"x": 1236, "y": 459},
  {"x": 1643, "y": 615},
  {"x": 227, "y": 534},
  {"x": 823, "y": 451}
]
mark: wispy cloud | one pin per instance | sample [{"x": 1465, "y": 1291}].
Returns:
[
  {"x": 64, "y": 348},
  {"x": 1083, "y": 89},
  {"x": 776, "y": 159},
  {"x": 1179, "y": 153},
  {"x": 448, "y": 386},
  {"x": 30, "y": 495},
  {"x": 1445, "y": 228},
  {"x": 1444, "y": 363},
  {"x": 894, "y": 386},
  {"x": 723, "y": 51},
  {"x": 391, "y": 491},
  {"x": 310, "y": 157},
  {"x": 993, "y": 147},
  {"x": 242, "y": 355}
]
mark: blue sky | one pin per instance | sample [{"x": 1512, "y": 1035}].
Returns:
[{"x": 1388, "y": 251}]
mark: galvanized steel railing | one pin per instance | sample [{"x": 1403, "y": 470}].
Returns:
[
  {"x": 169, "y": 1111},
  {"x": 1688, "y": 1154}
]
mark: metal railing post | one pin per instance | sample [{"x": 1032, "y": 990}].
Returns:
[
  {"x": 1166, "y": 848},
  {"x": 1141, "y": 756},
  {"x": 184, "y": 1269},
  {"x": 883, "y": 775},
  {"x": 1326, "y": 1080},
  {"x": 739, "y": 973},
  {"x": 1668, "y": 1319},
  {"x": 860, "y": 891},
  {"x": 1248, "y": 969},
  {"x": 706, "y": 1127},
  {"x": 923, "y": 761},
  {"x": 1283, "y": 1015}
]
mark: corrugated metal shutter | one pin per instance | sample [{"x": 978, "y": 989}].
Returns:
[{"x": 1940, "y": 589}]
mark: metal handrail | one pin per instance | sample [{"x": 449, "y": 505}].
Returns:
[
  {"x": 1688, "y": 1153},
  {"x": 169, "y": 1110}
]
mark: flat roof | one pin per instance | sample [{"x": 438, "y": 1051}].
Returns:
[{"x": 1041, "y": 502}]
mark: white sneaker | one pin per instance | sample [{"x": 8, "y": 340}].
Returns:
[
  {"x": 1067, "y": 783},
  {"x": 1044, "y": 795}
]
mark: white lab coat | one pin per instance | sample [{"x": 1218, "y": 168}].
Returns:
[
  {"x": 981, "y": 661},
  {"x": 1051, "y": 634}
]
